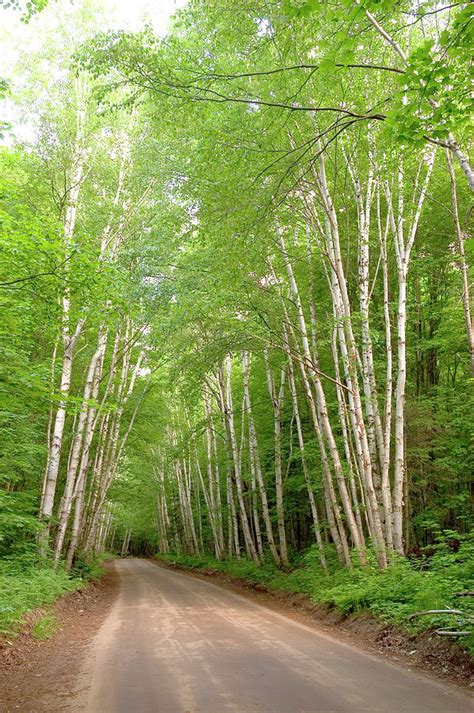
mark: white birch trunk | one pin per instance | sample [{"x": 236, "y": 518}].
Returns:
[
  {"x": 255, "y": 459},
  {"x": 248, "y": 541},
  {"x": 341, "y": 303},
  {"x": 307, "y": 478},
  {"x": 403, "y": 246},
  {"x": 80, "y": 484},
  {"x": 321, "y": 418},
  {"x": 76, "y": 446},
  {"x": 462, "y": 264},
  {"x": 386, "y": 488},
  {"x": 277, "y": 403},
  {"x": 214, "y": 474},
  {"x": 232, "y": 527},
  {"x": 69, "y": 337}
]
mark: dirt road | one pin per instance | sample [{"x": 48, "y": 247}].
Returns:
[{"x": 176, "y": 644}]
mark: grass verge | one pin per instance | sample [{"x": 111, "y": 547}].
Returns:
[
  {"x": 25, "y": 590},
  {"x": 45, "y": 627},
  {"x": 26, "y": 585}
]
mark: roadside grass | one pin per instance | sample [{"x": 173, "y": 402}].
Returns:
[
  {"x": 392, "y": 595},
  {"x": 45, "y": 627},
  {"x": 21, "y": 591},
  {"x": 27, "y": 583}
]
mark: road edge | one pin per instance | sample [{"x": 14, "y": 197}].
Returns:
[{"x": 429, "y": 655}]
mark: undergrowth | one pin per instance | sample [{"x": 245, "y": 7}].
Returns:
[
  {"x": 90, "y": 565},
  {"x": 27, "y": 582},
  {"x": 45, "y": 627},
  {"x": 392, "y": 595},
  {"x": 23, "y": 591}
]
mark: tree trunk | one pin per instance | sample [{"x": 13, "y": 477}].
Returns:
[
  {"x": 255, "y": 459},
  {"x": 248, "y": 541},
  {"x": 307, "y": 478},
  {"x": 277, "y": 403},
  {"x": 463, "y": 267}
]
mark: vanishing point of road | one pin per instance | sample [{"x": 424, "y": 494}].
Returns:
[{"x": 176, "y": 644}]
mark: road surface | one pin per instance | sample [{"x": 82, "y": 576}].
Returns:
[{"x": 177, "y": 644}]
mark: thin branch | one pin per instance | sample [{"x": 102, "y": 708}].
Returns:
[
  {"x": 278, "y": 70},
  {"x": 38, "y": 274}
]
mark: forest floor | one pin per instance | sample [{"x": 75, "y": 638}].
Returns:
[
  {"x": 423, "y": 651},
  {"x": 40, "y": 676}
]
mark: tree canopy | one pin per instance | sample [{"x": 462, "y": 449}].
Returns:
[{"x": 235, "y": 283}]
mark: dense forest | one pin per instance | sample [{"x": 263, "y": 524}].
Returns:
[{"x": 235, "y": 288}]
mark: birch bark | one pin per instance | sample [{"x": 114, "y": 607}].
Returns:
[
  {"x": 255, "y": 459},
  {"x": 69, "y": 336},
  {"x": 307, "y": 477},
  {"x": 276, "y": 397},
  {"x": 321, "y": 419},
  {"x": 66, "y": 502},
  {"x": 403, "y": 247},
  {"x": 248, "y": 540},
  {"x": 467, "y": 298}
]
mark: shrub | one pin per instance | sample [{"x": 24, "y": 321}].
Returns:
[{"x": 89, "y": 565}]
